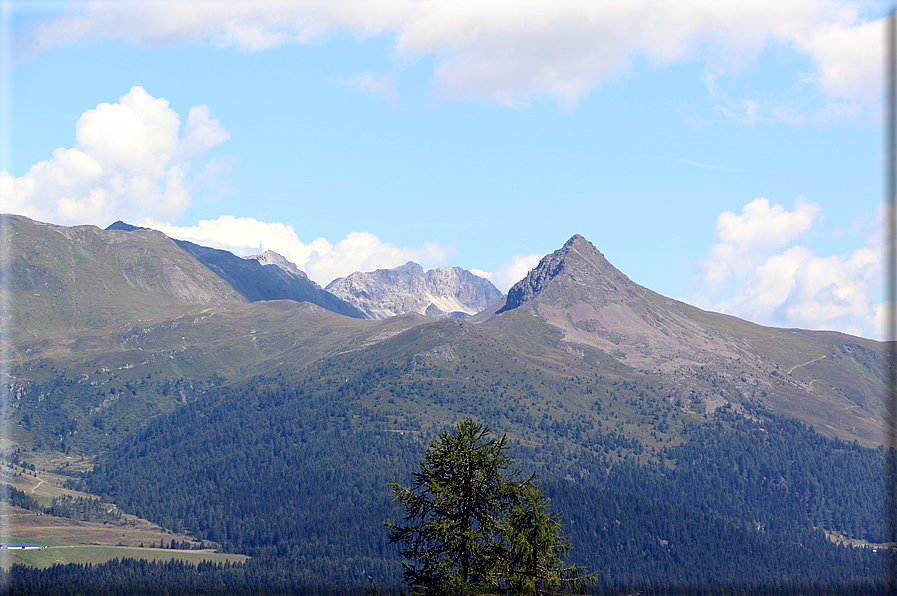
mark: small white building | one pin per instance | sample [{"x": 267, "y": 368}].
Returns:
[{"x": 19, "y": 546}]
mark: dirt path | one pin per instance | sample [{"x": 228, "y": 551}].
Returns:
[
  {"x": 36, "y": 486},
  {"x": 804, "y": 364}
]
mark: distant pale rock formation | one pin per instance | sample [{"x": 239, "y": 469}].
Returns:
[{"x": 446, "y": 292}]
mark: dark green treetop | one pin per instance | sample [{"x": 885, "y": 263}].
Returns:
[{"x": 473, "y": 527}]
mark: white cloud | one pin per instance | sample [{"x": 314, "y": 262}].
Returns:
[
  {"x": 760, "y": 229},
  {"x": 511, "y": 272},
  {"x": 381, "y": 85},
  {"x": 760, "y": 226},
  {"x": 833, "y": 111},
  {"x": 745, "y": 111},
  {"x": 508, "y": 51},
  {"x": 249, "y": 26},
  {"x": 799, "y": 289},
  {"x": 321, "y": 260},
  {"x": 757, "y": 272},
  {"x": 201, "y": 133},
  {"x": 363, "y": 251},
  {"x": 128, "y": 163},
  {"x": 245, "y": 236},
  {"x": 839, "y": 48},
  {"x": 211, "y": 177}
]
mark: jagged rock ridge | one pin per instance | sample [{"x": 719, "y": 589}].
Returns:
[{"x": 445, "y": 292}]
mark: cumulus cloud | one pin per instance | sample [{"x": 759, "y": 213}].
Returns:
[
  {"x": 128, "y": 163},
  {"x": 800, "y": 289},
  {"x": 201, "y": 133},
  {"x": 757, "y": 271},
  {"x": 761, "y": 226},
  {"x": 363, "y": 251},
  {"x": 245, "y": 236},
  {"x": 839, "y": 48},
  {"x": 507, "y": 51},
  {"x": 321, "y": 260},
  {"x": 511, "y": 272},
  {"x": 760, "y": 229}
]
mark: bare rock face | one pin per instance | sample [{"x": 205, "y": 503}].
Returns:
[
  {"x": 446, "y": 292},
  {"x": 582, "y": 273}
]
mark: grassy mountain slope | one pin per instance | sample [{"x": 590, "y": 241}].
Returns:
[
  {"x": 571, "y": 333},
  {"x": 257, "y": 282},
  {"x": 108, "y": 328},
  {"x": 67, "y": 279},
  {"x": 84, "y": 390},
  {"x": 254, "y": 281}
]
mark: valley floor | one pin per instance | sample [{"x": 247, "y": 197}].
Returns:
[{"x": 67, "y": 540}]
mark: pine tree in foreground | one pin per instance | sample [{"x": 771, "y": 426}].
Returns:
[{"x": 475, "y": 528}]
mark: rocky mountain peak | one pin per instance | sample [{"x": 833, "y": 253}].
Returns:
[
  {"x": 576, "y": 271},
  {"x": 577, "y": 290},
  {"x": 445, "y": 292},
  {"x": 409, "y": 267}
]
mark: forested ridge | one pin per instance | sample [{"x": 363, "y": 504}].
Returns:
[
  {"x": 265, "y": 472},
  {"x": 294, "y": 471},
  {"x": 633, "y": 542}
]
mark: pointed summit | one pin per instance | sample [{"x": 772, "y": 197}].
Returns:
[
  {"x": 577, "y": 290},
  {"x": 575, "y": 272},
  {"x": 123, "y": 227}
]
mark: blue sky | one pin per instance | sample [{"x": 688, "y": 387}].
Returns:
[{"x": 729, "y": 156}]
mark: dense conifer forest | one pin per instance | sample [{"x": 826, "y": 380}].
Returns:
[{"x": 281, "y": 468}]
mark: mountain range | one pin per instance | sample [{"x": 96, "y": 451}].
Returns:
[
  {"x": 91, "y": 285},
  {"x": 143, "y": 354}
]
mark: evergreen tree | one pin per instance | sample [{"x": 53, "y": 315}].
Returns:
[
  {"x": 474, "y": 528},
  {"x": 534, "y": 561}
]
